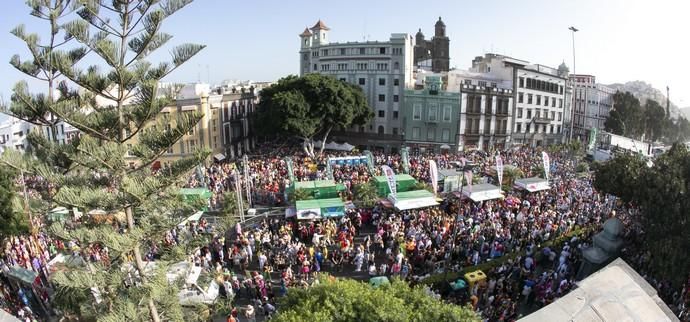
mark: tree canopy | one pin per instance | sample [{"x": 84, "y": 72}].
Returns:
[
  {"x": 13, "y": 221},
  {"x": 350, "y": 300},
  {"x": 310, "y": 106},
  {"x": 661, "y": 193}
]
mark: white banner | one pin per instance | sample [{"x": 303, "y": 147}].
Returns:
[
  {"x": 467, "y": 174},
  {"x": 433, "y": 174},
  {"x": 499, "y": 169},
  {"x": 547, "y": 164},
  {"x": 390, "y": 176}
]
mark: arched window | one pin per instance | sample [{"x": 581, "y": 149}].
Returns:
[
  {"x": 380, "y": 129},
  {"x": 396, "y": 65}
]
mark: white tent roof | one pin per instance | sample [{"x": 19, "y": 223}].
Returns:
[
  {"x": 334, "y": 146},
  {"x": 532, "y": 184},
  {"x": 614, "y": 293},
  {"x": 195, "y": 217},
  {"x": 481, "y": 192}
]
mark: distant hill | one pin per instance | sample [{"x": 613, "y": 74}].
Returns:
[{"x": 644, "y": 91}]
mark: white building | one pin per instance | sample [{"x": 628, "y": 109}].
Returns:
[
  {"x": 539, "y": 97},
  {"x": 382, "y": 68},
  {"x": 13, "y": 133},
  {"x": 593, "y": 102}
]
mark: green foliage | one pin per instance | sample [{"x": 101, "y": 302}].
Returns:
[
  {"x": 14, "y": 222},
  {"x": 94, "y": 171},
  {"x": 620, "y": 176},
  {"x": 299, "y": 194},
  {"x": 365, "y": 194},
  {"x": 582, "y": 167},
  {"x": 349, "y": 300},
  {"x": 510, "y": 174},
  {"x": 627, "y": 116},
  {"x": 310, "y": 106}
]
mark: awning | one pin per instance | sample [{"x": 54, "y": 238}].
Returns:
[
  {"x": 532, "y": 184},
  {"x": 481, "y": 192},
  {"x": 22, "y": 274},
  {"x": 219, "y": 157},
  {"x": 445, "y": 147},
  {"x": 413, "y": 199},
  {"x": 195, "y": 217}
]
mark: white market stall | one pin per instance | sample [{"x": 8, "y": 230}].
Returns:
[
  {"x": 482, "y": 192},
  {"x": 532, "y": 184},
  {"x": 413, "y": 199}
]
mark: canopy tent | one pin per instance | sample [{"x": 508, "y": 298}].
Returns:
[
  {"x": 319, "y": 208},
  {"x": 319, "y": 189},
  {"x": 58, "y": 214},
  {"x": 219, "y": 157},
  {"x": 404, "y": 182},
  {"x": 193, "y": 194},
  {"x": 413, "y": 199},
  {"x": 22, "y": 274},
  {"x": 195, "y": 217},
  {"x": 481, "y": 192},
  {"x": 532, "y": 184}
]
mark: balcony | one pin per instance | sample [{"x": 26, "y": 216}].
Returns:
[
  {"x": 542, "y": 120},
  {"x": 473, "y": 111}
]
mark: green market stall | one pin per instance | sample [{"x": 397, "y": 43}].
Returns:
[
  {"x": 193, "y": 194},
  {"x": 319, "y": 189},
  {"x": 319, "y": 208},
  {"x": 404, "y": 182}
]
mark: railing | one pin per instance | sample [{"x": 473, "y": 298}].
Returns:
[{"x": 542, "y": 119}]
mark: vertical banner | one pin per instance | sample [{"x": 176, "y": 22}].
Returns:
[
  {"x": 370, "y": 161},
  {"x": 499, "y": 170},
  {"x": 247, "y": 180},
  {"x": 592, "y": 139},
  {"x": 390, "y": 176},
  {"x": 405, "y": 156},
  {"x": 329, "y": 170},
  {"x": 547, "y": 164},
  {"x": 433, "y": 174},
  {"x": 288, "y": 160},
  {"x": 467, "y": 174}
]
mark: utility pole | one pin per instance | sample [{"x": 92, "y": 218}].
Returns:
[{"x": 572, "y": 108}]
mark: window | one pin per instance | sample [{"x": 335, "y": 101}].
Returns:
[
  {"x": 396, "y": 98},
  {"x": 560, "y": 102},
  {"x": 342, "y": 51},
  {"x": 417, "y": 111},
  {"x": 431, "y": 134},
  {"x": 382, "y": 81},
  {"x": 467, "y": 82},
  {"x": 325, "y": 67},
  {"x": 362, "y": 81},
  {"x": 361, "y": 51},
  {"x": 558, "y": 129},
  {"x": 382, "y": 98},
  {"x": 493, "y": 84},
  {"x": 546, "y": 101},
  {"x": 415, "y": 133},
  {"x": 396, "y": 65},
  {"x": 324, "y": 52},
  {"x": 529, "y": 83},
  {"x": 519, "y": 112},
  {"x": 382, "y": 113},
  {"x": 560, "y": 89},
  {"x": 538, "y": 99},
  {"x": 445, "y": 135},
  {"x": 481, "y": 83},
  {"x": 553, "y": 102},
  {"x": 529, "y": 113},
  {"x": 529, "y": 97},
  {"x": 342, "y": 79},
  {"x": 537, "y": 113},
  {"x": 395, "y": 115},
  {"x": 518, "y": 127},
  {"x": 396, "y": 82},
  {"x": 381, "y": 130},
  {"x": 522, "y": 82},
  {"x": 528, "y": 128},
  {"x": 560, "y": 115},
  {"x": 553, "y": 115},
  {"x": 446, "y": 113},
  {"x": 381, "y": 66},
  {"x": 432, "y": 112},
  {"x": 395, "y": 131},
  {"x": 382, "y": 50},
  {"x": 342, "y": 66},
  {"x": 362, "y": 66},
  {"x": 316, "y": 67},
  {"x": 520, "y": 97}
]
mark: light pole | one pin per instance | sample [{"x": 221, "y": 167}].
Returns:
[{"x": 572, "y": 108}]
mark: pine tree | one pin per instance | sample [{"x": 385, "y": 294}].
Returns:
[{"x": 114, "y": 105}]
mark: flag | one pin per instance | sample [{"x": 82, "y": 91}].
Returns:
[
  {"x": 499, "y": 169},
  {"x": 405, "y": 156},
  {"x": 433, "y": 174},
  {"x": 467, "y": 174},
  {"x": 547, "y": 163},
  {"x": 390, "y": 176},
  {"x": 592, "y": 139}
]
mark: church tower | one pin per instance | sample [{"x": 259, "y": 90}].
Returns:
[
  {"x": 320, "y": 33},
  {"x": 440, "y": 56},
  {"x": 305, "y": 51}
]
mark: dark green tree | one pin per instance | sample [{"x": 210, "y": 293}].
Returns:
[
  {"x": 365, "y": 194},
  {"x": 627, "y": 116},
  {"x": 350, "y": 300},
  {"x": 655, "y": 120},
  {"x": 620, "y": 176},
  {"x": 310, "y": 107},
  {"x": 14, "y": 222},
  {"x": 114, "y": 105}
]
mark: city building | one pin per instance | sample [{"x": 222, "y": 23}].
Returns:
[
  {"x": 539, "y": 96},
  {"x": 383, "y": 69},
  {"x": 593, "y": 102},
  {"x": 430, "y": 116},
  {"x": 435, "y": 51},
  {"x": 13, "y": 133},
  {"x": 485, "y": 109}
]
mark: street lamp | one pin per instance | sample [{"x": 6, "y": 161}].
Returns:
[
  {"x": 572, "y": 108},
  {"x": 462, "y": 169}
]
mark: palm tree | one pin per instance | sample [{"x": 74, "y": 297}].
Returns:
[
  {"x": 510, "y": 174},
  {"x": 365, "y": 194},
  {"x": 299, "y": 194}
]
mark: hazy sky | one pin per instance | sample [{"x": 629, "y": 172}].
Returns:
[{"x": 618, "y": 41}]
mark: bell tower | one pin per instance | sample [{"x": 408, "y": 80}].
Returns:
[
  {"x": 320, "y": 33},
  {"x": 305, "y": 51}
]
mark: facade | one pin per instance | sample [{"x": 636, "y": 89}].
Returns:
[
  {"x": 539, "y": 98},
  {"x": 383, "y": 69},
  {"x": 430, "y": 117},
  {"x": 13, "y": 133},
  {"x": 435, "y": 50},
  {"x": 593, "y": 102},
  {"x": 485, "y": 109}
]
